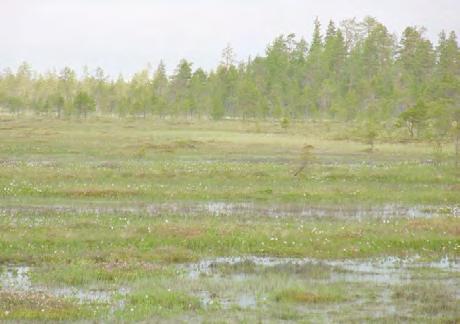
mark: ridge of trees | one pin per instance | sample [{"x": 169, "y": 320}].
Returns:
[{"x": 356, "y": 70}]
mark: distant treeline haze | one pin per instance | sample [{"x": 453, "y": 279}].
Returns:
[{"x": 356, "y": 70}]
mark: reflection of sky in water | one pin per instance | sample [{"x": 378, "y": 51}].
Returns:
[
  {"x": 390, "y": 270},
  {"x": 15, "y": 278},
  {"x": 385, "y": 271},
  {"x": 216, "y": 208}
]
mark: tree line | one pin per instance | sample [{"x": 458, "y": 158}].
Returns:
[{"x": 355, "y": 70}]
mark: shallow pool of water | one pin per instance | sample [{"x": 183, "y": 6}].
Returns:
[
  {"x": 245, "y": 208},
  {"x": 384, "y": 270}
]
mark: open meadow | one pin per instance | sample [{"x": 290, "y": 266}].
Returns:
[{"x": 231, "y": 221}]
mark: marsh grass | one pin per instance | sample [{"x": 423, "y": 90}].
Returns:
[
  {"x": 64, "y": 186},
  {"x": 97, "y": 238},
  {"x": 40, "y": 306},
  {"x": 103, "y": 161},
  {"x": 297, "y": 295},
  {"x": 434, "y": 300},
  {"x": 155, "y": 301}
]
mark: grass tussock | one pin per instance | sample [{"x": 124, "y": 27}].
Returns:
[
  {"x": 39, "y": 306},
  {"x": 432, "y": 299},
  {"x": 297, "y": 295},
  {"x": 99, "y": 193}
]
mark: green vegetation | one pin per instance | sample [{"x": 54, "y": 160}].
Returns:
[
  {"x": 39, "y": 306},
  {"x": 297, "y": 295},
  {"x": 148, "y": 256},
  {"x": 108, "y": 215},
  {"x": 132, "y": 162},
  {"x": 434, "y": 301},
  {"x": 317, "y": 183},
  {"x": 356, "y": 71},
  {"x": 82, "y": 239},
  {"x": 151, "y": 301}
]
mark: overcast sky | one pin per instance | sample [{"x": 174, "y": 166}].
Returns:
[{"x": 122, "y": 36}]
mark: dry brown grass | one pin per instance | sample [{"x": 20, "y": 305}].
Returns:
[
  {"x": 437, "y": 224},
  {"x": 99, "y": 193},
  {"x": 174, "y": 230},
  {"x": 37, "y": 305},
  {"x": 173, "y": 254},
  {"x": 305, "y": 297}
]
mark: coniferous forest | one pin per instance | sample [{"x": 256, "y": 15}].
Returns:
[{"x": 355, "y": 70}]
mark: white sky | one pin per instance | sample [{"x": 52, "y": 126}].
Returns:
[{"x": 122, "y": 36}]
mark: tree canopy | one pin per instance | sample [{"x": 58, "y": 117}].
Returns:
[{"x": 355, "y": 70}]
